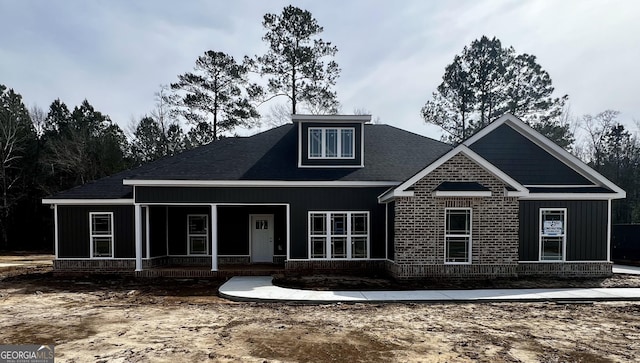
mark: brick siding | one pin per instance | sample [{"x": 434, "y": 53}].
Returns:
[
  {"x": 94, "y": 266},
  {"x": 356, "y": 267},
  {"x": 566, "y": 269},
  {"x": 420, "y": 220}
]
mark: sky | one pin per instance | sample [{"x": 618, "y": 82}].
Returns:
[{"x": 392, "y": 53}]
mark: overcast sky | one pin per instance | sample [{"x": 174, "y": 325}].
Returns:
[{"x": 392, "y": 53}]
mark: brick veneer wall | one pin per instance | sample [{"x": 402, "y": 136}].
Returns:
[
  {"x": 94, "y": 266},
  {"x": 566, "y": 269},
  {"x": 356, "y": 267},
  {"x": 419, "y": 226}
]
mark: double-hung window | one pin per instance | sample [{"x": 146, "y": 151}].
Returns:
[
  {"x": 331, "y": 143},
  {"x": 101, "y": 234},
  {"x": 553, "y": 235},
  {"x": 197, "y": 234},
  {"x": 457, "y": 235},
  {"x": 339, "y": 235}
]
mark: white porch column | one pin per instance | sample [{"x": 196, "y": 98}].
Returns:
[
  {"x": 55, "y": 228},
  {"x": 138, "y": 235},
  {"x": 147, "y": 241},
  {"x": 609, "y": 230},
  {"x": 288, "y": 232},
  {"x": 214, "y": 237}
]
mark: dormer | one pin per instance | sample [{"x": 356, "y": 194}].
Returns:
[{"x": 330, "y": 141}]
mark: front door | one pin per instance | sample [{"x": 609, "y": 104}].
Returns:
[{"x": 261, "y": 227}]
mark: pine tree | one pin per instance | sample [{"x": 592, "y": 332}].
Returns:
[{"x": 295, "y": 61}]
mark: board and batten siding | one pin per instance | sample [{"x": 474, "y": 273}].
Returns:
[
  {"x": 523, "y": 160},
  {"x": 300, "y": 199},
  {"x": 391, "y": 217},
  {"x": 233, "y": 230},
  {"x": 73, "y": 230},
  {"x": 157, "y": 231},
  {"x": 586, "y": 229}
]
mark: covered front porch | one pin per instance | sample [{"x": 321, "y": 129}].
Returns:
[{"x": 192, "y": 240}]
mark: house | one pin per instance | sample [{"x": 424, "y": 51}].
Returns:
[{"x": 336, "y": 193}]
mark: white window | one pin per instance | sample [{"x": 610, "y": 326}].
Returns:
[
  {"x": 101, "y": 234},
  {"x": 197, "y": 234},
  {"x": 331, "y": 143},
  {"x": 553, "y": 235},
  {"x": 339, "y": 235},
  {"x": 457, "y": 235}
]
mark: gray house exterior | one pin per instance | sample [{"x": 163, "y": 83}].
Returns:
[{"x": 337, "y": 194}]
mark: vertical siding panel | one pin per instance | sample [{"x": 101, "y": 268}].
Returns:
[
  {"x": 157, "y": 231},
  {"x": 574, "y": 231},
  {"x": 586, "y": 229},
  {"x": 591, "y": 229},
  {"x": 529, "y": 230},
  {"x": 73, "y": 228},
  {"x": 391, "y": 230},
  {"x": 602, "y": 230}
]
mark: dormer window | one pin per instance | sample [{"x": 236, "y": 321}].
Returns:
[{"x": 331, "y": 142}]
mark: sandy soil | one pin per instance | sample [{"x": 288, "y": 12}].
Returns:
[{"x": 121, "y": 320}]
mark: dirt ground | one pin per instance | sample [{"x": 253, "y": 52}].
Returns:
[{"x": 112, "y": 319}]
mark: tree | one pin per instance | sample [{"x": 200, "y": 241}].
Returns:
[
  {"x": 217, "y": 94},
  {"x": 58, "y": 118},
  {"x": 39, "y": 120},
  {"x": 164, "y": 119},
  {"x": 159, "y": 134},
  {"x": 17, "y": 138},
  {"x": 149, "y": 142},
  {"x": 615, "y": 153},
  {"x": 488, "y": 80},
  {"x": 175, "y": 139},
  {"x": 453, "y": 103},
  {"x": 597, "y": 127},
  {"x": 295, "y": 61},
  {"x": 81, "y": 146}
]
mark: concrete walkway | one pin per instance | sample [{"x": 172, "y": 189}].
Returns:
[
  {"x": 260, "y": 288},
  {"x": 624, "y": 269}
]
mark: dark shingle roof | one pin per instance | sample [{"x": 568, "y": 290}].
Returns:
[
  {"x": 391, "y": 154},
  {"x": 461, "y": 187}
]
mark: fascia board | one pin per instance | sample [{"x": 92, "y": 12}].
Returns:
[
  {"x": 94, "y": 201},
  {"x": 572, "y": 196},
  {"x": 258, "y": 183},
  {"x": 330, "y": 118}
]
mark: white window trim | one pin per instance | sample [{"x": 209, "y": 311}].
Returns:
[
  {"x": 91, "y": 236},
  {"x": 205, "y": 234},
  {"x": 328, "y": 235},
  {"x": 469, "y": 236},
  {"x": 564, "y": 235},
  {"x": 338, "y": 145}
]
